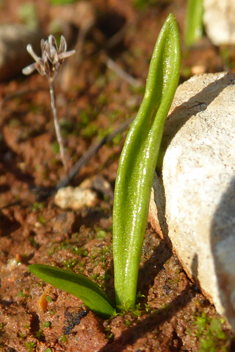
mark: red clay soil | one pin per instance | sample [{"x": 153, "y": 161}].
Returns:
[{"x": 171, "y": 314}]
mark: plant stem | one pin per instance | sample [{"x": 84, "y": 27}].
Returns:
[
  {"x": 56, "y": 123},
  {"x": 194, "y": 22}
]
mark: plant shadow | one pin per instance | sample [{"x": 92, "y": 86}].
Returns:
[
  {"x": 152, "y": 322},
  {"x": 153, "y": 266}
]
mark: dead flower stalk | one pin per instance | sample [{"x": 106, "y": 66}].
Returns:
[{"x": 48, "y": 65}]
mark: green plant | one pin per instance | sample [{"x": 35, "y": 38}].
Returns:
[
  {"x": 133, "y": 185},
  {"x": 63, "y": 339},
  {"x": 49, "y": 299},
  {"x": 61, "y": 2},
  {"x": 28, "y": 14},
  {"x": 194, "y": 24},
  {"x": 138, "y": 162},
  {"x": 47, "y": 324},
  {"x": 30, "y": 346},
  {"x": 210, "y": 333},
  {"x": 143, "y": 4},
  {"x": 78, "y": 285},
  {"x": 39, "y": 334}
]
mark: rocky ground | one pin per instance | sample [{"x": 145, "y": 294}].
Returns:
[{"x": 92, "y": 99}]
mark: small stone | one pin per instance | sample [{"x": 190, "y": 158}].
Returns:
[
  {"x": 11, "y": 264},
  {"x": 98, "y": 184},
  {"x": 219, "y": 20},
  {"x": 42, "y": 302},
  {"x": 75, "y": 198},
  {"x": 198, "y": 175},
  {"x": 198, "y": 69},
  {"x": 13, "y": 54}
]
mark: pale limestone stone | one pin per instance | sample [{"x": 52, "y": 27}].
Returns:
[
  {"x": 219, "y": 20},
  {"x": 75, "y": 198},
  {"x": 196, "y": 206}
]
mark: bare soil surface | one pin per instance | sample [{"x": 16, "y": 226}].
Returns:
[{"x": 171, "y": 314}]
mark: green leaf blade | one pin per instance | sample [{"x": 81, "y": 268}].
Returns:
[
  {"x": 138, "y": 162},
  {"x": 78, "y": 285},
  {"x": 194, "y": 22}
]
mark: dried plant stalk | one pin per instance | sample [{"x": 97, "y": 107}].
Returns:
[
  {"x": 57, "y": 126},
  {"x": 48, "y": 65}
]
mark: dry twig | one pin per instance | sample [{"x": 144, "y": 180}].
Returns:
[{"x": 48, "y": 65}]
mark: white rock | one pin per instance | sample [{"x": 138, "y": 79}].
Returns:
[
  {"x": 75, "y": 198},
  {"x": 219, "y": 20},
  {"x": 199, "y": 184}
]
